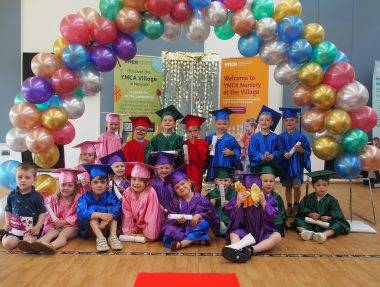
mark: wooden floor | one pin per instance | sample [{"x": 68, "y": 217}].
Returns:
[{"x": 352, "y": 260}]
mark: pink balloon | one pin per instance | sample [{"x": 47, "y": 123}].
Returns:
[
  {"x": 234, "y": 5},
  {"x": 65, "y": 135},
  {"x": 103, "y": 31},
  {"x": 64, "y": 81},
  {"x": 364, "y": 118},
  {"x": 75, "y": 29},
  {"x": 339, "y": 74}
]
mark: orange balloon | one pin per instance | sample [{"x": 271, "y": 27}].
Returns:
[
  {"x": 310, "y": 74},
  {"x": 326, "y": 148},
  {"x": 45, "y": 64},
  {"x": 88, "y": 14},
  {"x": 243, "y": 22},
  {"x": 301, "y": 95},
  {"x": 313, "y": 120},
  {"x": 59, "y": 45},
  {"x": 139, "y": 5},
  {"x": 54, "y": 119},
  {"x": 25, "y": 116},
  {"x": 128, "y": 20},
  {"x": 39, "y": 140},
  {"x": 47, "y": 159},
  {"x": 45, "y": 184},
  {"x": 370, "y": 158},
  {"x": 323, "y": 97}
]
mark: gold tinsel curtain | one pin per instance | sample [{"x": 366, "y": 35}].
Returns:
[{"x": 191, "y": 84}]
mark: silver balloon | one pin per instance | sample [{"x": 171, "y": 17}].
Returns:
[
  {"x": 15, "y": 139},
  {"x": 352, "y": 97},
  {"x": 266, "y": 29},
  {"x": 74, "y": 106},
  {"x": 90, "y": 81},
  {"x": 197, "y": 30},
  {"x": 172, "y": 30},
  {"x": 216, "y": 13},
  {"x": 286, "y": 73},
  {"x": 338, "y": 138},
  {"x": 273, "y": 52}
]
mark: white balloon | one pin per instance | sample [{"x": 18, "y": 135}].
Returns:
[
  {"x": 15, "y": 139},
  {"x": 273, "y": 52},
  {"x": 74, "y": 106},
  {"x": 352, "y": 97}
]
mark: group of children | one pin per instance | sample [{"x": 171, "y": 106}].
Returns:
[{"x": 146, "y": 190}]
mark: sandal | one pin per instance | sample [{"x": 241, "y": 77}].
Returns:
[
  {"x": 101, "y": 244},
  {"x": 174, "y": 245},
  {"x": 43, "y": 247},
  {"x": 235, "y": 255},
  {"x": 25, "y": 246},
  {"x": 115, "y": 243}
]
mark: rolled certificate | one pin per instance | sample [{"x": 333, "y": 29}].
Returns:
[
  {"x": 213, "y": 142},
  {"x": 178, "y": 216},
  {"x": 222, "y": 194},
  {"x": 132, "y": 238},
  {"x": 51, "y": 212},
  {"x": 293, "y": 150},
  {"x": 186, "y": 153},
  {"x": 317, "y": 222}
]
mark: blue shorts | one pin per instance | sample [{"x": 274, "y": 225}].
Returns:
[{"x": 291, "y": 182}]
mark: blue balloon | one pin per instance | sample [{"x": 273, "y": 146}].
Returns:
[
  {"x": 249, "y": 45},
  {"x": 348, "y": 165},
  {"x": 53, "y": 102},
  {"x": 137, "y": 36},
  {"x": 199, "y": 4},
  {"x": 341, "y": 57},
  {"x": 8, "y": 173},
  {"x": 290, "y": 28},
  {"x": 300, "y": 51},
  {"x": 75, "y": 57}
]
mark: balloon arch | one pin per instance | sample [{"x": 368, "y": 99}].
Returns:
[{"x": 91, "y": 43}]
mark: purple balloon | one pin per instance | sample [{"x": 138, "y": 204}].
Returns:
[
  {"x": 124, "y": 47},
  {"x": 37, "y": 90},
  {"x": 103, "y": 58}
]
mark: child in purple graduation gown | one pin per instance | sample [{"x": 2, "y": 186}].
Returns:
[
  {"x": 179, "y": 233},
  {"x": 253, "y": 225}
]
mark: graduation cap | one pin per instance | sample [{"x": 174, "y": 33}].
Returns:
[
  {"x": 110, "y": 159},
  {"x": 163, "y": 158},
  {"x": 140, "y": 170},
  {"x": 95, "y": 170},
  {"x": 222, "y": 114},
  {"x": 113, "y": 118},
  {"x": 191, "y": 120},
  {"x": 222, "y": 172},
  {"x": 248, "y": 179},
  {"x": 87, "y": 146},
  {"x": 140, "y": 122},
  {"x": 176, "y": 176},
  {"x": 170, "y": 111},
  {"x": 320, "y": 174},
  {"x": 290, "y": 112},
  {"x": 276, "y": 116},
  {"x": 67, "y": 175},
  {"x": 267, "y": 167}
]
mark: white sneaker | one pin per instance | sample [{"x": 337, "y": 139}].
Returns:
[
  {"x": 320, "y": 237},
  {"x": 307, "y": 234}
]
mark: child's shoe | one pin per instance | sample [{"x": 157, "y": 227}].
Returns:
[
  {"x": 46, "y": 248},
  {"x": 115, "y": 243},
  {"x": 306, "y": 234},
  {"x": 101, "y": 244},
  {"x": 320, "y": 237}
]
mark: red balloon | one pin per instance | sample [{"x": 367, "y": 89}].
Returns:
[
  {"x": 75, "y": 29},
  {"x": 159, "y": 7},
  {"x": 103, "y": 31},
  {"x": 364, "y": 118},
  {"x": 64, "y": 136},
  {"x": 234, "y": 5},
  {"x": 180, "y": 12},
  {"x": 64, "y": 81},
  {"x": 339, "y": 74}
]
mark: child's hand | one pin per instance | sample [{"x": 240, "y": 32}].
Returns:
[
  {"x": 106, "y": 217},
  {"x": 263, "y": 201},
  {"x": 228, "y": 152},
  {"x": 326, "y": 218},
  {"x": 314, "y": 215},
  {"x": 213, "y": 201},
  {"x": 181, "y": 220},
  {"x": 7, "y": 227},
  {"x": 210, "y": 147},
  {"x": 225, "y": 203},
  {"x": 195, "y": 219},
  {"x": 287, "y": 155},
  {"x": 299, "y": 149},
  {"x": 59, "y": 223},
  {"x": 35, "y": 230},
  {"x": 241, "y": 197},
  {"x": 269, "y": 156}
]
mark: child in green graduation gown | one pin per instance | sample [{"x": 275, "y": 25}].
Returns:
[
  {"x": 323, "y": 208},
  {"x": 223, "y": 181}
]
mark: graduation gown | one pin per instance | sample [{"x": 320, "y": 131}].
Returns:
[
  {"x": 164, "y": 191},
  {"x": 294, "y": 166},
  {"x": 110, "y": 143},
  {"x": 88, "y": 204},
  {"x": 121, "y": 186},
  {"x": 133, "y": 151},
  {"x": 219, "y": 160},
  {"x": 198, "y": 152},
  {"x": 162, "y": 143},
  {"x": 259, "y": 144},
  {"x": 215, "y": 194},
  {"x": 327, "y": 206},
  {"x": 281, "y": 218}
]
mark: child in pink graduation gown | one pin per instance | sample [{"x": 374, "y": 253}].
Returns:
[
  {"x": 141, "y": 212},
  {"x": 60, "y": 225},
  {"x": 110, "y": 139}
]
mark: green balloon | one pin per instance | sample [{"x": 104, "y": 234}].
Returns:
[
  {"x": 354, "y": 140},
  {"x": 324, "y": 53},
  {"x": 152, "y": 26},
  {"x": 262, "y": 9},
  {"x": 19, "y": 98},
  {"x": 79, "y": 93},
  {"x": 110, "y": 8},
  {"x": 225, "y": 31}
]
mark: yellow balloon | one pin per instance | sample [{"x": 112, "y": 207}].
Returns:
[
  {"x": 326, "y": 148},
  {"x": 54, "y": 119},
  {"x": 45, "y": 184},
  {"x": 47, "y": 159},
  {"x": 323, "y": 97},
  {"x": 313, "y": 33},
  {"x": 337, "y": 121},
  {"x": 310, "y": 74},
  {"x": 287, "y": 8},
  {"x": 59, "y": 45}
]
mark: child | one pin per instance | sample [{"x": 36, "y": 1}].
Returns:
[
  {"x": 134, "y": 149},
  {"x": 60, "y": 225},
  {"x": 167, "y": 139},
  {"x": 196, "y": 157},
  {"x": 179, "y": 233},
  {"x": 250, "y": 225},
  {"x": 163, "y": 167},
  {"x": 268, "y": 172},
  {"x": 265, "y": 145},
  {"x": 226, "y": 150},
  {"x": 117, "y": 162},
  {"x": 24, "y": 211},
  {"x": 293, "y": 161},
  {"x": 223, "y": 180},
  {"x": 110, "y": 139},
  {"x": 322, "y": 207},
  {"x": 141, "y": 210},
  {"x": 249, "y": 129},
  {"x": 98, "y": 210}
]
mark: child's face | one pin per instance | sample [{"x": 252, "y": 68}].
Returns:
[
  {"x": 226, "y": 182},
  {"x": 113, "y": 127},
  {"x": 99, "y": 185},
  {"x": 87, "y": 158},
  {"x": 290, "y": 124},
  {"x": 320, "y": 187},
  {"x": 118, "y": 168},
  {"x": 168, "y": 123},
  {"x": 183, "y": 188},
  {"x": 163, "y": 170},
  {"x": 67, "y": 189},
  {"x": 265, "y": 121},
  {"x": 138, "y": 184},
  {"x": 139, "y": 133},
  {"x": 24, "y": 179},
  {"x": 221, "y": 126},
  {"x": 193, "y": 131},
  {"x": 268, "y": 181}
]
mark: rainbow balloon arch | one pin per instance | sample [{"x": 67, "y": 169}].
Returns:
[{"x": 92, "y": 43}]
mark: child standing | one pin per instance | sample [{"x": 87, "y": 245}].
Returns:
[
  {"x": 24, "y": 211},
  {"x": 197, "y": 150},
  {"x": 226, "y": 150},
  {"x": 322, "y": 207},
  {"x": 60, "y": 225},
  {"x": 110, "y": 139},
  {"x": 98, "y": 210},
  {"x": 249, "y": 129}
]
